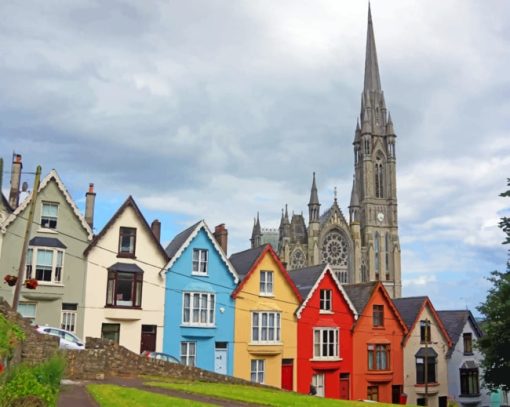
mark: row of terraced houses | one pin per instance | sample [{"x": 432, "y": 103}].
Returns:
[{"x": 243, "y": 315}]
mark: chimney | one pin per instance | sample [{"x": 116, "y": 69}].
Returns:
[
  {"x": 17, "y": 166},
  {"x": 156, "y": 229},
  {"x": 221, "y": 236},
  {"x": 90, "y": 198}
]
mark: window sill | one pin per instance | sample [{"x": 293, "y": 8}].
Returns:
[
  {"x": 379, "y": 327},
  {"x": 200, "y": 274},
  {"x": 198, "y": 326},
  {"x": 431, "y": 384},
  {"x": 334, "y": 359},
  {"x": 469, "y": 395},
  {"x": 126, "y": 255},
  {"x": 266, "y": 295},
  {"x": 265, "y": 343},
  {"x": 121, "y": 307},
  {"x": 47, "y": 230},
  {"x": 49, "y": 284},
  {"x": 326, "y": 312}
]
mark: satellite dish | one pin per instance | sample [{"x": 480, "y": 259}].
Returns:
[{"x": 24, "y": 187}]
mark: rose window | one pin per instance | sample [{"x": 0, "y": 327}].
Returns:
[
  {"x": 298, "y": 259},
  {"x": 334, "y": 249}
]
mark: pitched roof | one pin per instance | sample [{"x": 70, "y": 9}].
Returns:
[
  {"x": 307, "y": 280},
  {"x": 180, "y": 242},
  {"x": 409, "y": 308},
  {"x": 248, "y": 260},
  {"x": 129, "y": 202},
  {"x": 454, "y": 322},
  {"x": 51, "y": 176},
  {"x": 360, "y": 294},
  {"x": 125, "y": 267},
  {"x": 243, "y": 261},
  {"x": 5, "y": 203}
]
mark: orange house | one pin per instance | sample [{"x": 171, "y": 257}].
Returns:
[{"x": 378, "y": 334}]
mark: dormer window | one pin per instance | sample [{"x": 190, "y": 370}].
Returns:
[
  {"x": 127, "y": 242},
  {"x": 468, "y": 343},
  {"x": 49, "y": 215},
  {"x": 378, "y": 315},
  {"x": 325, "y": 301},
  {"x": 266, "y": 283},
  {"x": 200, "y": 262}
]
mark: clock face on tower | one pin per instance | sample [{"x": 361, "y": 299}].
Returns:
[{"x": 380, "y": 216}]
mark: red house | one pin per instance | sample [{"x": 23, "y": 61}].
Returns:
[
  {"x": 378, "y": 335},
  {"x": 325, "y": 319}
]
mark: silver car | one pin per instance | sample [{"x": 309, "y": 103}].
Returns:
[{"x": 67, "y": 339}]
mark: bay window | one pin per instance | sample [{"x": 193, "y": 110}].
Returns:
[
  {"x": 124, "y": 288},
  {"x": 44, "y": 264}
]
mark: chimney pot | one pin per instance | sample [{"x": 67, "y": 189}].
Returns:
[
  {"x": 90, "y": 199},
  {"x": 156, "y": 229},
  {"x": 17, "y": 166},
  {"x": 221, "y": 236}
]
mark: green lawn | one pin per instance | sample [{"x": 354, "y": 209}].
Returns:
[
  {"x": 108, "y": 395},
  {"x": 258, "y": 395}
]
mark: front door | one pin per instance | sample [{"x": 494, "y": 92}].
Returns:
[
  {"x": 287, "y": 374},
  {"x": 148, "y": 341},
  {"x": 220, "y": 358},
  {"x": 396, "y": 391},
  {"x": 344, "y": 386}
]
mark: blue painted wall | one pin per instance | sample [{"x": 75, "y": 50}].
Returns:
[{"x": 219, "y": 281}]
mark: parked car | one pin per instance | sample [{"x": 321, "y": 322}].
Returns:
[
  {"x": 160, "y": 356},
  {"x": 67, "y": 339}
]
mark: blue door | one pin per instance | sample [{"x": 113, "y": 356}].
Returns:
[{"x": 220, "y": 358}]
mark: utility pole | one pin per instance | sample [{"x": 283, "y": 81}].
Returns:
[
  {"x": 427, "y": 339},
  {"x": 30, "y": 220}
]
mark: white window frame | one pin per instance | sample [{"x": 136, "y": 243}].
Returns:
[
  {"x": 201, "y": 258},
  {"x": 266, "y": 283},
  {"x": 318, "y": 382},
  {"x": 30, "y": 317},
  {"x": 189, "y": 356},
  {"x": 68, "y": 320},
  {"x": 326, "y": 301},
  {"x": 42, "y": 210},
  {"x": 204, "y": 308},
  {"x": 257, "y": 372},
  {"x": 318, "y": 346},
  {"x": 31, "y": 264},
  {"x": 259, "y": 329}
]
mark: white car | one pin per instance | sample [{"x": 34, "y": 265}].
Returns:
[{"x": 67, "y": 339}]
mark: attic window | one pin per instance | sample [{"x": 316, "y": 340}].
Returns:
[
  {"x": 49, "y": 215},
  {"x": 127, "y": 242}
]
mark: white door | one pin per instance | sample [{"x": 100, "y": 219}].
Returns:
[
  {"x": 220, "y": 361},
  {"x": 318, "y": 382}
]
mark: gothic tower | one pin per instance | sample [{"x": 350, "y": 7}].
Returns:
[
  {"x": 313, "y": 225},
  {"x": 373, "y": 207}
]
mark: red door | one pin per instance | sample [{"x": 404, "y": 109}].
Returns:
[
  {"x": 344, "y": 386},
  {"x": 287, "y": 374}
]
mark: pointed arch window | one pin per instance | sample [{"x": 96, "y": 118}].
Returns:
[
  {"x": 379, "y": 177},
  {"x": 367, "y": 145},
  {"x": 377, "y": 253}
]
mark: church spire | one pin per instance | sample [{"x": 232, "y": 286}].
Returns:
[
  {"x": 313, "y": 205},
  {"x": 372, "y": 79},
  {"x": 314, "y": 198}
]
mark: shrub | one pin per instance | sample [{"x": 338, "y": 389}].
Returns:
[
  {"x": 10, "y": 335},
  {"x": 33, "y": 385}
]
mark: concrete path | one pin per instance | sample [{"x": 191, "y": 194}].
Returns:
[{"x": 74, "y": 394}]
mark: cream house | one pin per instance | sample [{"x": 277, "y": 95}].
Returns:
[
  {"x": 425, "y": 348},
  {"x": 125, "y": 291}
]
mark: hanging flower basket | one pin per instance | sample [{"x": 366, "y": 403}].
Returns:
[
  {"x": 10, "y": 280},
  {"x": 31, "y": 283}
]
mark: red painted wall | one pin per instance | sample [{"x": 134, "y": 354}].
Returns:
[
  {"x": 365, "y": 333},
  {"x": 311, "y": 318}
]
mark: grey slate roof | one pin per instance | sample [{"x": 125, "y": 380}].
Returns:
[
  {"x": 243, "y": 261},
  {"x": 47, "y": 242},
  {"x": 359, "y": 294},
  {"x": 429, "y": 352},
  {"x": 125, "y": 267},
  {"x": 306, "y": 278},
  {"x": 409, "y": 308},
  {"x": 454, "y": 322},
  {"x": 179, "y": 240}
]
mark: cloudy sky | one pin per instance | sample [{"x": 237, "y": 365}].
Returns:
[{"x": 219, "y": 109}]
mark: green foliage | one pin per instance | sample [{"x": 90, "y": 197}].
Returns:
[
  {"x": 495, "y": 344},
  {"x": 10, "y": 335},
  {"x": 37, "y": 383},
  {"x": 108, "y": 395}
]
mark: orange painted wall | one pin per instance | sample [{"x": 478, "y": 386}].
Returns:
[{"x": 364, "y": 334}]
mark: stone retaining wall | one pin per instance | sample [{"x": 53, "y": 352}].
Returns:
[{"x": 103, "y": 358}]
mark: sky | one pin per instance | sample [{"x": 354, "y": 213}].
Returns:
[{"x": 218, "y": 110}]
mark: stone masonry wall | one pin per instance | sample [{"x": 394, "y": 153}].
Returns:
[
  {"x": 103, "y": 358},
  {"x": 36, "y": 347}
]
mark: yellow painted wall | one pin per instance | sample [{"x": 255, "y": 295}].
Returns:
[{"x": 283, "y": 301}]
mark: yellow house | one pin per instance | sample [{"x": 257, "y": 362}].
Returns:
[{"x": 266, "y": 299}]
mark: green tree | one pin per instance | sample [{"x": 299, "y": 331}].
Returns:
[{"x": 495, "y": 344}]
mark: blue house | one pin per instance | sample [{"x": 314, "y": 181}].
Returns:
[{"x": 199, "y": 311}]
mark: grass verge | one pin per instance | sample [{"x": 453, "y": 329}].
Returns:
[
  {"x": 251, "y": 394},
  {"x": 109, "y": 395}
]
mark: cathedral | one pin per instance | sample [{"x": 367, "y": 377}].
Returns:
[{"x": 365, "y": 248}]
